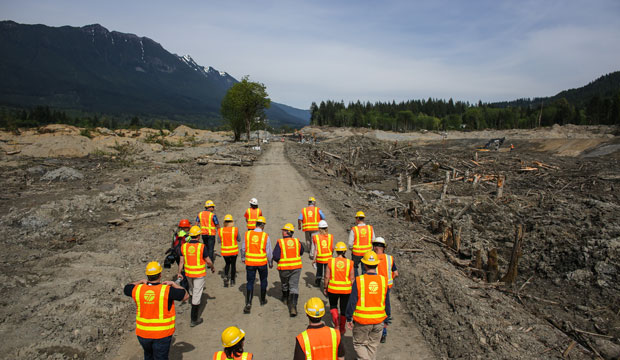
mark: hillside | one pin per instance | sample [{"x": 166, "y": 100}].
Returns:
[{"x": 93, "y": 69}]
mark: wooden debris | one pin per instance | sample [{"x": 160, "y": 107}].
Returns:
[
  {"x": 511, "y": 274},
  {"x": 568, "y": 349},
  {"x": 492, "y": 266},
  {"x": 411, "y": 250},
  {"x": 500, "y": 186},
  {"x": 13, "y": 152}
]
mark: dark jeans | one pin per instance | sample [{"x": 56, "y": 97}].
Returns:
[
  {"x": 333, "y": 301},
  {"x": 320, "y": 270},
  {"x": 209, "y": 241},
  {"x": 251, "y": 276},
  {"x": 156, "y": 349},
  {"x": 231, "y": 265},
  {"x": 357, "y": 262}
]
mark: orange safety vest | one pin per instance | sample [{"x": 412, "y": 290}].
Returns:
[
  {"x": 371, "y": 291},
  {"x": 324, "y": 247},
  {"x": 362, "y": 240},
  {"x": 385, "y": 268},
  {"x": 252, "y": 216},
  {"x": 311, "y": 218},
  {"x": 320, "y": 344},
  {"x": 207, "y": 225},
  {"x": 290, "y": 257},
  {"x": 153, "y": 319},
  {"x": 193, "y": 260},
  {"x": 220, "y": 355},
  {"x": 228, "y": 235},
  {"x": 255, "y": 248},
  {"x": 339, "y": 281}
]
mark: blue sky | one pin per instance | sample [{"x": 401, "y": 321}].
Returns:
[{"x": 306, "y": 51}]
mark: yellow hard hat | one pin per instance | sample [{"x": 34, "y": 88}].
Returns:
[
  {"x": 261, "y": 219},
  {"x": 370, "y": 258},
  {"x": 360, "y": 214},
  {"x": 209, "y": 203},
  {"x": 315, "y": 307},
  {"x": 288, "y": 227},
  {"x": 311, "y": 198},
  {"x": 231, "y": 336},
  {"x": 228, "y": 217},
  {"x": 340, "y": 246},
  {"x": 195, "y": 231},
  {"x": 153, "y": 268}
]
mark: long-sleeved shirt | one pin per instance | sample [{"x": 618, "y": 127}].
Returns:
[
  {"x": 352, "y": 235},
  {"x": 277, "y": 251},
  {"x": 352, "y": 304},
  {"x": 268, "y": 248}
]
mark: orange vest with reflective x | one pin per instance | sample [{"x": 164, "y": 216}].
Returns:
[
  {"x": 339, "y": 281},
  {"x": 228, "y": 235},
  {"x": 371, "y": 291},
  {"x": 220, "y": 355},
  {"x": 290, "y": 257},
  {"x": 252, "y": 215},
  {"x": 310, "y": 219},
  {"x": 324, "y": 247},
  {"x": 255, "y": 248},
  {"x": 207, "y": 225},
  {"x": 153, "y": 319},
  {"x": 385, "y": 268},
  {"x": 362, "y": 239},
  {"x": 193, "y": 260},
  {"x": 320, "y": 344}
]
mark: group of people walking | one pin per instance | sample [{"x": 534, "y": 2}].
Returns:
[{"x": 357, "y": 289}]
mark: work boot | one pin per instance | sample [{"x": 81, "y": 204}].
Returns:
[
  {"x": 225, "y": 281},
  {"x": 292, "y": 305},
  {"x": 317, "y": 282},
  {"x": 334, "y": 313},
  {"x": 194, "y": 316},
  {"x": 248, "y": 301},
  {"x": 342, "y": 324},
  {"x": 285, "y": 297},
  {"x": 263, "y": 297},
  {"x": 232, "y": 281}
]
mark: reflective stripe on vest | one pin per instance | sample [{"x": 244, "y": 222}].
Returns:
[
  {"x": 371, "y": 291},
  {"x": 153, "y": 319},
  {"x": 362, "y": 239},
  {"x": 228, "y": 236},
  {"x": 207, "y": 225},
  {"x": 323, "y": 345},
  {"x": 339, "y": 282},
  {"x": 310, "y": 219},
  {"x": 324, "y": 247},
  {"x": 220, "y": 355},
  {"x": 193, "y": 261},
  {"x": 253, "y": 215},
  {"x": 290, "y": 258},
  {"x": 385, "y": 268},
  {"x": 255, "y": 248}
]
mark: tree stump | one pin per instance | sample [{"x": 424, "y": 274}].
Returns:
[
  {"x": 511, "y": 274},
  {"x": 492, "y": 266}
]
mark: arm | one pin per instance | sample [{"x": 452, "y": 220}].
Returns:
[
  {"x": 299, "y": 353},
  {"x": 129, "y": 287},
  {"x": 181, "y": 263},
  {"x": 301, "y": 249},
  {"x": 351, "y": 304},
  {"x": 321, "y": 215},
  {"x": 298, "y": 224},
  {"x": 394, "y": 270},
  {"x": 351, "y": 238},
  {"x": 313, "y": 251},
  {"x": 242, "y": 249},
  {"x": 277, "y": 252},
  {"x": 209, "y": 262},
  {"x": 328, "y": 274},
  {"x": 269, "y": 252},
  {"x": 180, "y": 294}
]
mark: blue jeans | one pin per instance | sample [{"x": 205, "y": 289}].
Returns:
[
  {"x": 251, "y": 276},
  {"x": 209, "y": 241},
  {"x": 357, "y": 262},
  {"x": 156, "y": 349}
]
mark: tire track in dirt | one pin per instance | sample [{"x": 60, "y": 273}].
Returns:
[{"x": 270, "y": 332}]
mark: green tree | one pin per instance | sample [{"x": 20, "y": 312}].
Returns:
[{"x": 244, "y": 104}]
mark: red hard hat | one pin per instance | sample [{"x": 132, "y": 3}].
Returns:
[{"x": 184, "y": 223}]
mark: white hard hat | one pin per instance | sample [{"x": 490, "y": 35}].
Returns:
[
  {"x": 322, "y": 224},
  {"x": 379, "y": 240},
  {"x": 253, "y": 201}
]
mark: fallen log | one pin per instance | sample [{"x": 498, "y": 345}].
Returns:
[
  {"x": 13, "y": 152},
  {"x": 225, "y": 162},
  {"x": 411, "y": 250},
  {"x": 332, "y": 155}
]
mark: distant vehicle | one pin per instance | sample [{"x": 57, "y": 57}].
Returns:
[{"x": 495, "y": 144}]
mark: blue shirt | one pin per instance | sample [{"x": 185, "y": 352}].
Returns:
[
  {"x": 277, "y": 252},
  {"x": 321, "y": 215},
  {"x": 352, "y": 304}
]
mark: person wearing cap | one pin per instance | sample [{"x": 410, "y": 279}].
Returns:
[
  {"x": 209, "y": 227},
  {"x": 308, "y": 220},
  {"x": 256, "y": 253},
  {"x": 155, "y": 324},
  {"x": 387, "y": 268},
  {"x": 368, "y": 308},
  {"x": 322, "y": 250},
  {"x": 287, "y": 254},
  {"x": 318, "y": 341},
  {"x": 233, "y": 339},
  {"x": 194, "y": 260},
  {"x": 338, "y": 284},
  {"x": 229, "y": 239},
  {"x": 360, "y": 240},
  {"x": 252, "y": 213}
]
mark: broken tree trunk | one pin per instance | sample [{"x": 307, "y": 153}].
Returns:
[
  {"x": 445, "y": 185},
  {"x": 408, "y": 183},
  {"x": 401, "y": 188},
  {"x": 478, "y": 265},
  {"x": 511, "y": 274},
  {"x": 457, "y": 239},
  {"x": 225, "y": 162},
  {"x": 492, "y": 266},
  {"x": 500, "y": 186}
]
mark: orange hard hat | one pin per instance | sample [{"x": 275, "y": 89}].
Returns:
[{"x": 184, "y": 223}]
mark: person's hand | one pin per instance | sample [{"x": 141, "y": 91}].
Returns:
[
  {"x": 325, "y": 292},
  {"x": 212, "y": 269},
  {"x": 168, "y": 282},
  {"x": 350, "y": 325},
  {"x": 179, "y": 276},
  {"x": 271, "y": 265}
]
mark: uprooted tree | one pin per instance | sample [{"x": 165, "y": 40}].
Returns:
[{"x": 243, "y": 105}]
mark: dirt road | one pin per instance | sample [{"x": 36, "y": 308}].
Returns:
[{"x": 282, "y": 192}]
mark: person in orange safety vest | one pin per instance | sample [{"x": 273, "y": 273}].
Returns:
[
  {"x": 318, "y": 341},
  {"x": 256, "y": 252},
  {"x": 155, "y": 312},
  {"x": 287, "y": 254},
  {"x": 229, "y": 238},
  {"x": 360, "y": 240},
  {"x": 308, "y": 220},
  {"x": 321, "y": 251},
  {"x": 233, "y": 339},
  {"x": 387, "y": 268},
  {"x": 209, "y": 225},
  {"x": 252, "y": 213},
  {"x": 339, "y": 278}
]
